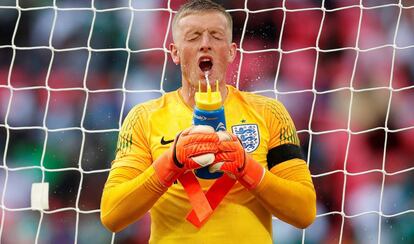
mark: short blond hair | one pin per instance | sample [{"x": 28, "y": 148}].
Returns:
[{"x": 198, "y": 6}]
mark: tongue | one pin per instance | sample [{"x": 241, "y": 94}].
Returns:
[{"x": 205, "y": 66}]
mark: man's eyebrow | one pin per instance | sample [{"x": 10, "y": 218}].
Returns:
[
  {"x": 191, "y": 30},
  {"x": 191, "y": 34},
  {"x": 218, "y": 28},
  {"x": 218, "y": 31}
]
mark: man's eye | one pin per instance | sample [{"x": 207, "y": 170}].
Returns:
[
  {"x": 217, "y": 35},
  {"x": 193, "y": 37}
]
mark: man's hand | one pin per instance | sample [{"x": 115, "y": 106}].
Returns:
[
  {"x": 233, "y": 160},
  {"x": 193, "y": 148}
]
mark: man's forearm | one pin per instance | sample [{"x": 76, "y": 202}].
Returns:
[
  {"x": 289, "y": 195},
  {"x": 128, "y": 195}
]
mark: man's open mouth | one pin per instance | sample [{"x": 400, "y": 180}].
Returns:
[{"x": 205, "y": 64}]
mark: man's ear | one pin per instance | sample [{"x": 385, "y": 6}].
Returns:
[
  {"x": 232, "y": 52},
  {"x": 174, "y": 53}
]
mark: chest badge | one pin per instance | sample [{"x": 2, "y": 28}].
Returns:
[{"x": 248, "y": 135}]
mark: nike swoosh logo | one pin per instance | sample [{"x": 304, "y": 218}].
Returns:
[{"x": 163, "y": 142}]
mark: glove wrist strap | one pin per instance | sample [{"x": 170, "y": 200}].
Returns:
[
  {"x": 166, "y": 170},
  {"x": 252, "y": 174}
]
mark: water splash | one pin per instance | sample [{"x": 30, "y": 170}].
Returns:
[{"x": 207, "y": 80}]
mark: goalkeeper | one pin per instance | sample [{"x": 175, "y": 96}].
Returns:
[{"x": 272, "y": 177}]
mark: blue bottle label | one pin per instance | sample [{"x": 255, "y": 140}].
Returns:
[{"x": 215, "y": 119}]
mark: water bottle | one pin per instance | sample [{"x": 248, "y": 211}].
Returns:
[{"x": 209, "y": 111}]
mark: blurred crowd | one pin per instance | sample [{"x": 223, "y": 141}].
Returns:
[{"x": 346, "y": 74}]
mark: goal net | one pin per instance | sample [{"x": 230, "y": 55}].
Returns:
[{"x": 71, "y": 70}]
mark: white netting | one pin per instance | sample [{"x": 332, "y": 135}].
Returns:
[{"x": 71, "y": 70}]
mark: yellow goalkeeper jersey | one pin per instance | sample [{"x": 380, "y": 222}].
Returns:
[{"x": 149, "y": 129}]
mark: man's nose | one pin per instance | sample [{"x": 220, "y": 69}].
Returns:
[{"x": 205, "y": 42}]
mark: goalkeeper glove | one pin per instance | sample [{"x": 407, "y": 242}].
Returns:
[
  {"x": 193, "y": 148},
  {"x": 233, "y": 160}
]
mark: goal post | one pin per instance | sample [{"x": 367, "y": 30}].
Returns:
[{"x": 71, "y": 70}]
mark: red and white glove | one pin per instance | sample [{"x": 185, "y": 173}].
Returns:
[
  {"x": 233, "y": 160},
  {"x": 193, "y": 148}
]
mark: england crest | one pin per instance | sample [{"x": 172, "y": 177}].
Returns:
[{"x": 248, "y": 135}]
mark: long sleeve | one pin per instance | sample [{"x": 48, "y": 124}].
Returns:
[
  {"x": 128, "y": 195},
  {"x": 288, "y": 193},
  {"x": 132, "y": 186}
]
